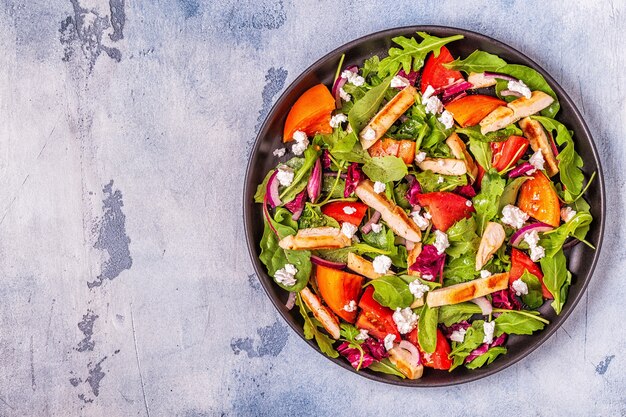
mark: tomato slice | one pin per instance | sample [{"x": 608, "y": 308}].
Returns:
[
  {"x": 538, "y": 199},
  {"x": 342, "y": 211},
  {"x": 435, "y": 74},
  {"x": 508, "y": 152},
  {"x": 310, "y": 113},
  {"x": 521, "y": 262},
  {"x": 445, "y": 208},
  {"x": 375, "y": 318},
  {"x": 439, "y": 358},
  {"x": 470, "y": 110},
  {"x": 403, "y": 149},
  {"x": 338, "y": 288}
]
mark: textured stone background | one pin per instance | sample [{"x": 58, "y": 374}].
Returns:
[{"x": 125, "y": 285}]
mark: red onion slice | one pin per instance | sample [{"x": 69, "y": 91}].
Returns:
[
  {"x": 271, "y": 191},
  {"x": 367, "y": 227},
  {"x": 555, "y": 150},
  {"x": 506, "y": 93},
  {"x": 454, "y": 97},
  {"x": 314, "y": 186},
  {"x": 522, "y": 169},
  {"x": 485, "y": 306},
  {"x": 454, "y": 89},
  {"x": 291, "y": 300},
  {"x": 489, "y": 74},
  {"x": 329, "y": 264},
  {"x": 267, "y": 216},
  {"x": 415, "y": 354},
  {"x": 518, "y": 236}
]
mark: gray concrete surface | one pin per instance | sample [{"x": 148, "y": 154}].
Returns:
[{"x": 125, "y": 285}]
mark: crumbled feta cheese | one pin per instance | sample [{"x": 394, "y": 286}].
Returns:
[
  {"x": 280, "y": 152},
  {"x": 389, "y": 341},
  {"x": 350, "y": 307},
  {"x": 419, "y": 157},
  {"x": 369, "y": 134},
  {"x": 337, "y": 120},
  {"x": 286, "y": 275},
  {"x": 513, "y": 216},
  {"x": 427, "y": 215},
  {"x": 379, "y": 187},
  {"x": 353, "y": 78},
  {"x": 458, "y": 335},
  {"x": 484, "y": 273},
  {"x": 418, "y": 289},
  {"x": 399, "y": 82},
  {"x": 536, "y": 251},
  {"x": 382, "y": 263},
  {"x": 301, "y": 142},
  {"x": 427, "y": 277},
  {"x": 405, "y": 319},
  {"x": 433, "y": 105},
  {"x": 349, "y": 210},
  {"x": 468, "y": 203},
  {"x": 428, "y": 92},
  {"x": 519, "y": 87},
  {"x": 440, "y": 180},
  {"x": 421, "y": 221},
  {"x": 537, "y": 160},
  {"x": 377, "y": 227},
  {"x": 567, "y": 214},
  {"x": 441, "y": 241},
  {"x": 348, "y": 229},
  {"x": 362, "y": 335},
  {"x": 488, "y": 328},
  {"x": 520, "y": 287},
  {"x": 344, "y": 96},
  {"x": 446, "y": 119},
  {"x": 285, "y": 175}
]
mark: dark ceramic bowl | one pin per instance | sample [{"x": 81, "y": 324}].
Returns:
[{"x": 581, "y": 259}]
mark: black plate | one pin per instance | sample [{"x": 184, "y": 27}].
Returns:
[{"x": 581, "y": 259}]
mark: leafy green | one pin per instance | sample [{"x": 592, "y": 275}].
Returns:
[
  {"x": 463, "y": 238},
  {"x": 473, "y": 132},
  {"x": 349, "y": 333},
  {"x": 345, "y": 146},
  {"x": 556, "y": 278},
  {"x": 311, "y": 331},
  {"x": 454, "y": 313},
  {"x": 259, "y": 196},
  {"x": 486, "y": 358},
  {"x": 370, "y": 66},
  {"x": 328, "y": 186},
  {"x": 473, "y": 338},
  {"x": 429, "y": 181},
  {"x": 391, "y": 292},
  {"x": 365, "y": 108},
  {"x": 486, "y": 202},
  {"x": 385, "y": 366},
  {"x": 427, "y": 332},
  {"x": 477, "y": 61},
  {"x": 411, "y": 54},
  {"x": 482, "y": 153},
  {"x": 301, "y": 177},
  {"x": 534, "y": 298},
  {"x": 399, "y": 194},
  {"x": 385, "y": 168},
  {"x": 519, "y": 322},
  {"x": 577, "y": 227},
  {"x": 461, "y": 269},
  {"x": 509, "y": 195},
  {"x": 312, "y": 216},
  {"x": 569, "y": 161}
]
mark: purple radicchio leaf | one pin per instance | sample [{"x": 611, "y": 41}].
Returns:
[
  {"x": 354, "y": 176},
  {"x": 429, "y": 263}
]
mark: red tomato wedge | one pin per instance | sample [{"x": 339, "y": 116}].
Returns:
[
  {"x": 521, "y": 262},
  {"x": 470, "y": 110},
  {"x": 439, "y": 358},
  {"x": 338, "y": 288},
  {"x": 375, "y": 318},
  {"x": 538, "y": 199},
  {"x": 346, "y": 211},
  {"x": 310, "y": 113},
  {"x": 435, "y": 74},
  {"x": 445, "y": 208},
  {"x": 507, "y": 153},
  {"x": 403, "y": 149}
]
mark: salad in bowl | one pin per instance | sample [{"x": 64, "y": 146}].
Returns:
[{"x": 420, "y": 207}]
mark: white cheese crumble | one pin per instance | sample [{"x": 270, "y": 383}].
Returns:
[
  {"x": 458, "y": 335},
  {"x": 418, "y": 289},
  {"x": 350, "y": 307},
  {"x": 468, "y": 203},
  {"x": 537, "y": 161},
  {"x": 446, "y": 119},
  {"x": 353, "y": 78},
  {"x": 285, "y": 175},
  {"x": 344, "y": 96},
  {"x": 536, "y": 251},
  {"x": 432, "y": 103},
  {"x": 399, "y": 82},
  {"x": 488, "y": 328},
  {"x": 286, "y": 275},
  {"x": 379, "y": 187},
  {"x": 363, "y": 334},
  {"x": 484, "y": 273},
  {"x": 301, "y": 142},
  {"x": 280, "y": 152},
  {"x": 369, "y": 134},
  {"x": 377, "y": 227},
  {"x": 428, "y": 215},
  {"x": 428, "y": 92},
  {"x": 441, "y": 241},
  {"x": 513, "y": 216},
  {"x": 440, "y": 180},
  {"x": 349, "y": 210},
  {"x": 382, "y": 263},
  {"x": 419, "y": 157},
  {"x": 405, "y": 319},
  {"x": 520, "y": 287},
  {"x": 421, "y": 221},
  {"x": 389, "y": 341},
  {"x": 337, "y": 120},
  {"x": 348, "y": 229},
  {"x": 519, "y": 87},
  {"x": 567, "y": 214}
]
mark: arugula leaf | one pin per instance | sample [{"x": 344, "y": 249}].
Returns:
[
  {"x": 259, "y": 196},
  {"x": 349, "y": 332},
  {"x": 385, "y": 168},
  {"x": 427, "y": 333},
  {"x": 509, "y": 195},
  {"x": 370, "y": 66},
  {"x": 486, "y": 202},
  {"x": 534, "y": 298},
  {"x": 399, "y": 194},
  {"x": 454, "y": 313},
  {"x": 391, "y": 291},
  {"x": 301, "y": 177},
  {"x": 429, "y": 181},
  {"x": 386, "y": 367},
  {"x": 463, "y": 238},
  {"x": 312, "y": 216},
  {"x": 518, "y": 322},
  {"x": 482, "y": 153},
  {"x": 365, "y": 108},
  {"x": 577, "y": 227},
  {"x": 477, "y": 61},
  {"x": 461, "y": 269},
  {"x": 411, "y": 55},
  {"x": 341, "y": 255},
  {"x": 556, "y": 278},
  {"x": 473, "y": 338},
  {"x": 311, "y": 331},
  {"x": 486, "y": 358},
  {"x": 328, "y": 187},
  {"x": 473, "y": 132},
  {"x": 570, "y": 162}
]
